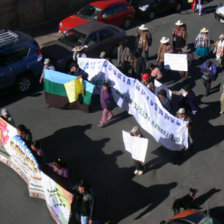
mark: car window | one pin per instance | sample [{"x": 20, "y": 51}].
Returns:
[
  {"x": 92, "y": 39},
  {"x": 73, "y": 38},
  {"x": 105, "y": 34},
  {"x": 89, "y": 12},
  {"x": 13, "y": 56},
  {"x": 114, "y": 10}
]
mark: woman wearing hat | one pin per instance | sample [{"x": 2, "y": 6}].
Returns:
[
  {"x": 190, "y": 57},
  {"x": 202, "y": 43},
  {"x": 47, "y": 65},
  {"x": 219, "y": 50},
  {"x": 164, "y": 47},
  {"x": 144, "y": 40},
  {"x": 78, "y": 52},
  {"x": 179, "y": 35}
]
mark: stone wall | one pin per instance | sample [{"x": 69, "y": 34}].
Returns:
[{"x": 27, "y": 13}]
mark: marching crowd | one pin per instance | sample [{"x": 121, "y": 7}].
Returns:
[{"x": 134, "y": 64}]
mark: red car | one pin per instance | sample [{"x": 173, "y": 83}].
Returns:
[{"x": 115, "y": 12}]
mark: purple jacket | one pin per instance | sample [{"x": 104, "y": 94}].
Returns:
[{"x": 105, "y": 98}]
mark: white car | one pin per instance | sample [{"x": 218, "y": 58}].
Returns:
[{"x": 219, "y": 14}]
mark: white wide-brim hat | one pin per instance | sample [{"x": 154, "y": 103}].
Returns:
[
  {"x": 221, "y": 36},
  {"x": 143, "y": 27},
  {"x": 179, "y": 23},
  {"x": 204, "y": 30},
  {"x": 164, "y": 40},
  {"x": 79, "y": 48}
]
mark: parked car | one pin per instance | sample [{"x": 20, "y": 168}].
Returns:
[
  {"x": 219, "y": 14},
  {"x": 20, "y": 60},
  {"x": 152, "y": 8},
  {"x": 115, "y": 12},
  {"x": 191, "y": 217},
  {"x": 95, "y": 35}
]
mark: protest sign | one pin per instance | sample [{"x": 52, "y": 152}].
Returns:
[
  {"x": 176, "y": 62},
  {"x": 139, "y": 101},
  {"x": 136, "y": 146},
  {"x": 22, "y": 161}
]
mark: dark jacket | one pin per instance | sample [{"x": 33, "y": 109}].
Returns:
[
  {"x": 166, "y": 103},
  {"x": 139, "y": 67},
  {"x": 189, "y": 102},
  {"x": 106, "y": 98},
  {"x": 78, "y": 73},
  {"x": 83, "y": 204}
]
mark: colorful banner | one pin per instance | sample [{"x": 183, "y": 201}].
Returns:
[
  {"x": 21, "y": 159},
  {"x": 139, "y": 101},
  {"x": 137, "y": 146}
]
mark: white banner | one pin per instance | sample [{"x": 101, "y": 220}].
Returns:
[
  {"x": 21, "y": 159},
  {"x": 176, "y": 62},
  {"x": 137, "y": 146},
  {"x": 139, "y": 101}
]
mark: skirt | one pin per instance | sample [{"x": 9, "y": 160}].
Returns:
[{"x": 202, "y": 51}]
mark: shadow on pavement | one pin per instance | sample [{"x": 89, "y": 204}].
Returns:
[
  {"x": 113, "y": 186},
  {"x": 217, "y": 213}
]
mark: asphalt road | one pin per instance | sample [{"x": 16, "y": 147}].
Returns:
[{"x": 98, "y": 154}]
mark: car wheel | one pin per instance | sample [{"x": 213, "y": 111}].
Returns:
[
  {"x": 24, "y": 83},
  {"x": 127, "y": 23},
  {"x": 179, "y": 7},
  {"x": 151, "y": 15}
]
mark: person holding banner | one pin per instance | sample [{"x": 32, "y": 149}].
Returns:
[
  {"x": 82, "y": 206},
  {"x": 164, "y": 100},
  {"x": 155, "y": 72},
  {"x": 59, "y": 167},
  {"x": 7, "y": 117},
  {"x": 25, "y": 134},
  {"x": 148, "y": 82},
  {"x": 139, "y": 166},
  {"x": 106, "y": 101},
  {"x": 187, "y": 99},
  {"x": 47, "y": 65},
  {"x": 78, "y": 72},
  {"x": 138, "y": 66}
]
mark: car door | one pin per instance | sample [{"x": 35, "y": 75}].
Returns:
[
  {"x": 6, "y": 71},
  {"x": 15, "y": 62},
  {"x": 107, "y": 16}
]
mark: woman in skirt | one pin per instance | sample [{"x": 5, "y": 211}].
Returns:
[{"x": 202, "y": 43}]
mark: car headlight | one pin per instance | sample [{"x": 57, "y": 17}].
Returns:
[{"x": 144, "y": 7}]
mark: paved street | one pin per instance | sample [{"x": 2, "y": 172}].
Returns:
[{"x": 98, "y": 155}]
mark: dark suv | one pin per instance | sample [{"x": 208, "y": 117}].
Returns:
[{"x": 20, "y": 61}]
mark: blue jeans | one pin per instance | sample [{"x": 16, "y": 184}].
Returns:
[{"x": 84, "y": 219}]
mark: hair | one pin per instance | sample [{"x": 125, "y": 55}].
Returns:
[
  {"x": 83, "y": 183},
  {"x": 106, "y": 84},
  {"x": 22, "y": 128},
  {"x": 76, "y": 65},
  {"x": 162, "y": 92},
  {"x": 208, "y": 63},
  {"x": 136, "y": 54},
  {"x": 151, "y": 65}
]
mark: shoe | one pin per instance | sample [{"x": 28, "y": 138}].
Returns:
[
  {"x": 109, "y": 118},
  {"x": 100, "y": 125},
  {"x": 140, "y": 172},
  {"x": 136, "y": 172},
  {"x": 221, "y": 112}
]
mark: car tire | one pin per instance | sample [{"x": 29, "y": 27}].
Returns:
[
  {"x": 151, "y": 15},
  {"x": 127, "y": 23},
  {"x": 24, "y": 83},
  {"x": 179, "y": 7}
]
